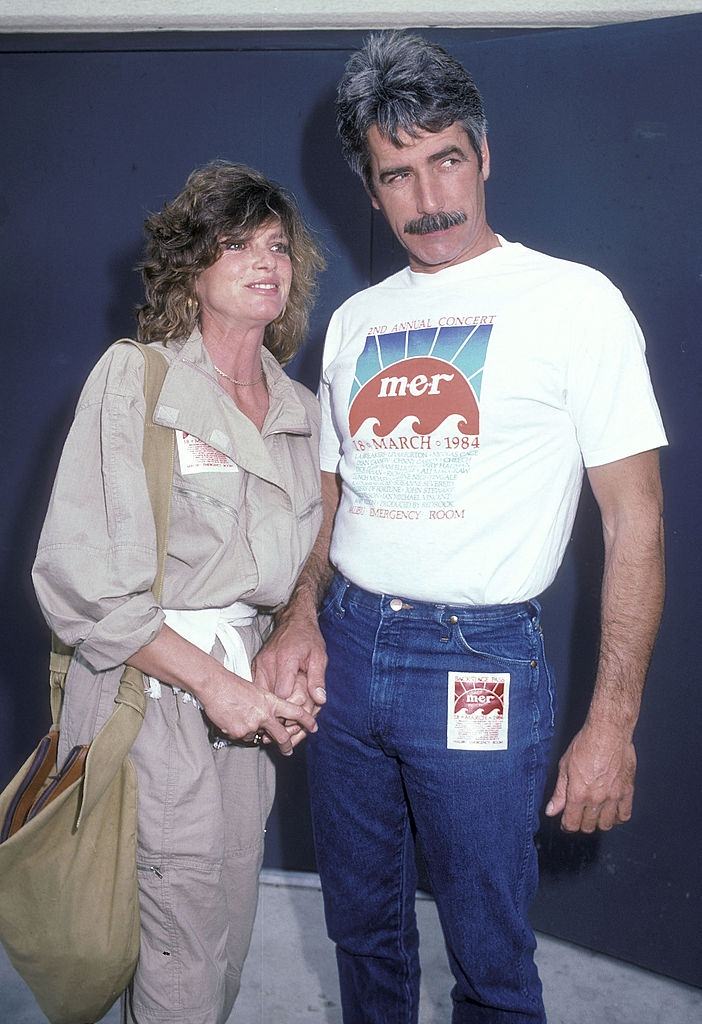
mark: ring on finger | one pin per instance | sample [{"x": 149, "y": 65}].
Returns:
[{"x": 257, "y": 739}]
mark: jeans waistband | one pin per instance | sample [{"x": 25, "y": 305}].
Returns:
[{"x": 345, "y": 592}]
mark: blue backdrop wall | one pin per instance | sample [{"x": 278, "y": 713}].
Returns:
[{"x": 596, "y": 157}]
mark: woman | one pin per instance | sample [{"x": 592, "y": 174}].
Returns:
[{"x": 229, "y": 274}]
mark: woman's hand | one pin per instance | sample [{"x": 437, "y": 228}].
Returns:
[
  {"x": 301, "y": 697},
  {"x": 235, "y": 706},
  {"x": 240, "y": 709}
]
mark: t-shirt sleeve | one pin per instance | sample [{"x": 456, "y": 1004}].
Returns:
[
  {"x": 608, "y": 385},
  {"x": 330, "y": 438}
]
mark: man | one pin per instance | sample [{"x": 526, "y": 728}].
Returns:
[{"x": 461, "y": 398}]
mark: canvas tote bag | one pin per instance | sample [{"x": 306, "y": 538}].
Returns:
[{"x": 69, "y": 908}]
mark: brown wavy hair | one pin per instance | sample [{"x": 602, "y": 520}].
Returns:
[{"x": 220, "y": 202}]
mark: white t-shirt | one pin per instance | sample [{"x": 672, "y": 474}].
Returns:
[{"x": 459, "y": 408}]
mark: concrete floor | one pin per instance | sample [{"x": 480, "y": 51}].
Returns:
[{"x": 290, "y": 975}]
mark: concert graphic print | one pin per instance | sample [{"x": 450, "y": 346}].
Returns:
[
  {"x": 478, "y": 711},
  {"x": 414, "y": 418}
]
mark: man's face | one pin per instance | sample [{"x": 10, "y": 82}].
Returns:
[{"x": 431, "y": 192}]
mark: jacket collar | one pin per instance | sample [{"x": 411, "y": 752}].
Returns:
[{"x": 192, "y": 400}]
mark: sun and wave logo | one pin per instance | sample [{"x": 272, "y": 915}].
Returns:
[
  {"x": 417, "y": 380},
  {"x": 478, "y": 711},
  {"x": 484, "y": 698}
]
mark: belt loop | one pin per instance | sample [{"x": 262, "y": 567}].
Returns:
[
  {"x": 342, "y": 586},
  {"x": 534, "y": 611}
]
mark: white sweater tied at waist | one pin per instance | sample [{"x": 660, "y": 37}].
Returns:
[{"x": 202, "y": 628}]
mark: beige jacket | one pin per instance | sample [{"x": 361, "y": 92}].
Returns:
[{"x": 238, "y": 535}]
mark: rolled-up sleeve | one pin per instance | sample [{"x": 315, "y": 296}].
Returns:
[{"x": 96, "y": 560}]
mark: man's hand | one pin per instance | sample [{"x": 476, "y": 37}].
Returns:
[
  {"x": 293, "y": 660},
  {"x": 294, "y": 649},
  {"x": 595, "y": 787},
  {"x": 292, "y": 663},
  {"x": 301, "y": 697}
]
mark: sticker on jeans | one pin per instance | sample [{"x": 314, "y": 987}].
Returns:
[
  {"x": 195, "y": 456},
  {"x": 478, "y": 710}
]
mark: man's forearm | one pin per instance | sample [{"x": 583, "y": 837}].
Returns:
[
  {"x": 595, "y": 785},
  {"x": 293, "y": 659},
  {"x": 632, "y": 602}
]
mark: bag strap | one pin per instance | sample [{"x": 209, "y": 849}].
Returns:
[
  {"x": 158, "y": 454},
  {"x": 59, "y": 663}
]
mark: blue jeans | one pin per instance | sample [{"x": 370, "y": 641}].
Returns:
[{"x": 380, "y": 769}]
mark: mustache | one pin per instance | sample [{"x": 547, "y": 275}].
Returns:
[{"x": 430, "y": 222}]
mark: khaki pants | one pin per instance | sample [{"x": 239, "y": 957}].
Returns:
[{"x": 202, "y": 815}]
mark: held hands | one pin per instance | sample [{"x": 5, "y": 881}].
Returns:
[
  {"x": 291, "y": 664},
  {"x": 237, "y": 707},
  {"x": 301, "y": 697},
  {"x": 241, "y": 709},
  {"x": 595, "y": 786}
]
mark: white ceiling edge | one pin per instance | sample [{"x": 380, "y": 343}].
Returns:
[{"x": 217, "y": 15}]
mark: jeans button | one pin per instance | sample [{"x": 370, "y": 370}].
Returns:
[
  {"x": 453, "y": 619},
  {"x": 396, "y": 604}
]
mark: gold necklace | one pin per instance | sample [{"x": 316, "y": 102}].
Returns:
[{"x": 239, "y": 383}]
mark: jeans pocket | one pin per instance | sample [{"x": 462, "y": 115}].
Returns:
[
  {"x": 507, "y": 648},
  {"x": 332, "y": 602}
]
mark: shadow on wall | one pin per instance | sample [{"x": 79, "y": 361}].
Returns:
[
  {"x": 25, "y": 682},
  {"x": 289, "y": 844},
  {"x": 561, "y": 853},
  {"x": 127, "y": 293},
  {"x": 327, "y": 177},
  {"x": 346, "y": 235}
]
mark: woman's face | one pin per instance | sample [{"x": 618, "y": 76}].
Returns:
[{"x": 248, "y": 285}]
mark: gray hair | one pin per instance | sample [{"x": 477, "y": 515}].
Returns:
[{"x": 402, "y": 83}]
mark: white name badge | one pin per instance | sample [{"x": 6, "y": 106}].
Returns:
[
  {"x": 197, "y": 457},
  {"x": 478, "y": 710}
]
